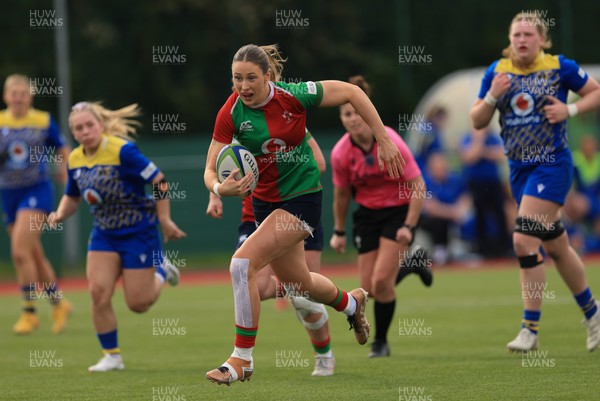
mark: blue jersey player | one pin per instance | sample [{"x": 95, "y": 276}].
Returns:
[
  {"x": 110, "y": 174},
  {"x": 529, "y": 88},
  {"x": 30, "y": 143}
]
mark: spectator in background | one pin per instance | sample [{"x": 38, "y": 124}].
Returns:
[
  {"x": 481, "y": 153},
  {"x": 432, "y": 141},
  {"x": 448, "y": 205},
  {"x": 583, "y": 202},
  {"x": 587, "y": 162}
]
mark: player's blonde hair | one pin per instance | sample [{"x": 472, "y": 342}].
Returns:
[
  {"x": 16, "y": 79},
  {"x": 532, "y": 19},
  {"x": 267, "y": 58},
  {"x": 116, "y": 122}
]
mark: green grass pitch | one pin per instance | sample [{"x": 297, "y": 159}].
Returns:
[{"x": 447, "y": 343}]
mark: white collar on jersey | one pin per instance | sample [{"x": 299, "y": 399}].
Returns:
[{"x": 271, "y": 93}]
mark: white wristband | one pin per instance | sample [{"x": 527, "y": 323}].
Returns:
[
  {"x": 216, "y": 189},
  {"x": 489, "y": 99},
  {"x": 572, "y": 108}
]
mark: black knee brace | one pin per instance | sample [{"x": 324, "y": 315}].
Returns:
[
  {"x": 536, "y": 229},
  {"x": 555, "y": 231},
  {"x": 529, "y": 261}
]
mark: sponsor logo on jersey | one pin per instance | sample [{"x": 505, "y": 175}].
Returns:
[
  {"x": 18, "y": 152},
  {"x": 246, "y": 126},
  {"x": 272, "y": 145},
  {"x": 92, "y": 197},
  {"x": 312, "y": 88},
  {"x": 522, "y": 104}
]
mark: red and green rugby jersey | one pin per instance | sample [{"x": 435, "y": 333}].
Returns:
[{"x": 275, "y": 132}]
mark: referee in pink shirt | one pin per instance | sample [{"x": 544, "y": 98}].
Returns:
[{"x": 387, "y": 216}]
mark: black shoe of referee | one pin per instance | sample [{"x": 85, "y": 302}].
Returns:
[{"x": 417, "y": 261}]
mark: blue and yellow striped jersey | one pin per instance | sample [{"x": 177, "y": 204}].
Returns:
[
  {"x": 528, "y": 136},
  {"x": 112, "y": 182},
  {"x": 27, "y": 146}
]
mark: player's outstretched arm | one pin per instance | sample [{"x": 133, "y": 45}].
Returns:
[{"x": 337, "y": 93}]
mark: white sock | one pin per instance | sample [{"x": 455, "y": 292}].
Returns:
[
  {"x": 243, "y": 353},
  {"x": 351, "y": 307}
]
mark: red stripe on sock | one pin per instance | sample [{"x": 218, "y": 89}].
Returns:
[
  {"x": 343, "y": 303},
  {"x": 243, "y": 340},
  {"x": 320, "y": 344}
]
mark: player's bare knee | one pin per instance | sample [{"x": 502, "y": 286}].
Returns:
[
  {"x": 100, "y": 296},
  {"x": 139, "y": 306},
  {"x": 381, "y": 286},
  {"x": 21, "y": 256}
]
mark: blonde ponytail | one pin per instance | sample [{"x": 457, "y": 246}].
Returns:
[{"x": 116, "y": 122}]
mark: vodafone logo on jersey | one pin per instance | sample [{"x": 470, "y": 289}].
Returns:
[
  {"x": 272, "y": 145},
  {"x": 522, "y": 104},
  {"x": 92, "y": 197},
  {"x": 18, "y": 152}
]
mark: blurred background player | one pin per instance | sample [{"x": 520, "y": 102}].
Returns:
[
  {"x": 28, "y": 137},
  {"x": 432, "y": 139},
  {"x": 313, "y": 316},
  {"x": 582, "y": 205},
  {"x": 387, "y": 215},
  {"x": 529, "y": 88},
  {"x": 109, "y": 173},
  {"x": 447, "y": 206},
  {"x": 255, "y": 115},
  {"x": 481, "y": 153}
]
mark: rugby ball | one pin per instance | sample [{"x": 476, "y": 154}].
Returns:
[{"x": 233, "y": 157}]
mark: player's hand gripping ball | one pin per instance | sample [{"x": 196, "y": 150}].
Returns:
[{"x": 233, "y": 157}]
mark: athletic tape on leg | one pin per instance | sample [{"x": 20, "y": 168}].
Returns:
[
  {"x": 304, "y": 307},
  {"x": 241, "y": 293}
]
